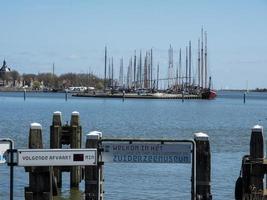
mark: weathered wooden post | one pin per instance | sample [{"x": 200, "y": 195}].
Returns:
[
  {"x": 257, "y": 143},
  {"x": 66, "y": 135},
  {"x": 94, "y": 174},
  {"x": 40, "y": 178},
  {"x": 250, "y": 184},
  {"x": 55, "y": 142},
  {"x": 75, "y": 143},
  {"x": 257, "y": 155},
  {"x": 203, "y": 166}
]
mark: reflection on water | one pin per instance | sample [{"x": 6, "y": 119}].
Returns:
[{"x": 72, "y": 194}]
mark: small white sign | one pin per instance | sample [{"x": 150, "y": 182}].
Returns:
[
  {"x": 4, "y": 146},
  {"x": 57, "y": 157},
  {"x": 120, "y": 152}
]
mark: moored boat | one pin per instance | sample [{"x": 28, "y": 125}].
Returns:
[{"x": 208, "y": 94}]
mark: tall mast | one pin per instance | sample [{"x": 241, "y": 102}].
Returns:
[
  {"x": 206, "y": 66},
  {"x": 53, "y": 69},
  {"x": 121, "y": 73},
  {"x": 129, "y": 74},
  {"x": 148, "y": 69},
  {"x": 170, "y": 69},
  {"x": 105, "y": 73},
  {"x": 151, "y": 68},
  {"x": 140, "y": 70},
  {"x": 134, "y": 69},
  {"x": 186, "y": 68},
  {"x": 109, "y": 72},
  {"x": 53, "y": 73},
  {"x": 202, "y": 59},
  {"x": 158, "y": 77},
  {"x": 112, "y": 73},
  {"x": 198, "y": 64},
  {"x": 180, "y": 65},
  {"x": 138, "y": 74},
  {"x": 190, "y": 63},
  {"x": 145, "y": 71},
  {"x": 177, "y": 75}
]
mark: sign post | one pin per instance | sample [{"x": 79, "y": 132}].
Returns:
[
  {"x": 152, "y": 151},
  {"x": 147, "y": 153},
  {"x": 7, "y": 144},
  {"x": 56, "y": 157}
]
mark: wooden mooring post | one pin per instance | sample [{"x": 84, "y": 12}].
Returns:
[
  {"x": 75, "y": 143},
  {"x": 67, "y": 135},
  {"x": 55, "y": 143},
  {"x": 40, "y": 178},
  {"x": 203, "y": 167},
  {"x": 250, "y": 185},
  {"x": 94, "y": 174}
]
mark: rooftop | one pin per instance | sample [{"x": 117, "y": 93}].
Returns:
[{"x": 4, "y": 67}]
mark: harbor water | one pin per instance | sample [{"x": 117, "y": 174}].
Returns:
[{"x": 227, "y": 121}]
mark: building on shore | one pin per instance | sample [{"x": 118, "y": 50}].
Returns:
[
  {"x": 9, "y": 78},
  {"x": 4, "y": 72}
]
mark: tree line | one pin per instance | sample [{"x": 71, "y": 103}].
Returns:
[{"x": 50, "y": 80}]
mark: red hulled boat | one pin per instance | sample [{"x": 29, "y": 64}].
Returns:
[{"x": 208, "y": 93}]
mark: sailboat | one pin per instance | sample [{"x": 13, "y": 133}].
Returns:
[{"x": 208, "y": 93}]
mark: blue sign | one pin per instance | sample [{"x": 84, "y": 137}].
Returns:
[{"x": 147, "y": 153}]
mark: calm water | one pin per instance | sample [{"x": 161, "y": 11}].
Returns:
[{"x": 226, "y": 120}]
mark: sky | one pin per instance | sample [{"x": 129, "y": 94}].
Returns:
[{"x": 73, "y": 34}]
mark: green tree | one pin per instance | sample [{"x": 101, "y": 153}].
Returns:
[
  {"x": 36, "y": 85},
  {"x": 15, "y": 77}
]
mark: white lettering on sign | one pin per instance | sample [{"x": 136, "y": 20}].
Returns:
[
  {"x": 4, "y": 146},
  {"x": 57, "y": 157},
  {"x": 147, "y": 153}
]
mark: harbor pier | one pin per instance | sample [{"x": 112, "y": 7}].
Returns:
[{"x": 140, "y": 96}]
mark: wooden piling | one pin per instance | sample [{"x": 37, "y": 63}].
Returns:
[
  {"x": 24, "y": 94},
  {"x": 250, "y": 184},
  {"x": 66, "y": 135},
  {"x": 257, "y": 143},
  {"x": 55, "y": 143},
  {"x": 75, "y": 143},
  {"x": 55, "y": 131},
  {"x": 203, "y": 166},
  {"x": 40, "y": 178},
  {"x": 94, "y": 174},
  {"x": 257, "y": 155}
]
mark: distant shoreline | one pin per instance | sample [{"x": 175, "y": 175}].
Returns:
[
  {"x": 27, "y": 90},
  {"x": 41, "y": 91},
  {"x": 243, "y": 90}
]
